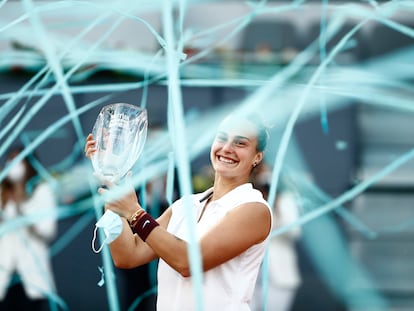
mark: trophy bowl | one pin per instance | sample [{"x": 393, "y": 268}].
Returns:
[{"x": 120, "y": 131}]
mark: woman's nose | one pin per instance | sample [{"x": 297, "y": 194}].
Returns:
[{"x": 228, "y": 145}]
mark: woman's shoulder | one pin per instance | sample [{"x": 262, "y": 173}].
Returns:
[
  {"x": 42, "y": 188},
  {"x": 246, "y": 192},
  {"x": 199, "y": 196},
  {"x": 195, "y": 199}
]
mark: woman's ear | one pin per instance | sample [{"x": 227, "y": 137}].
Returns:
[{"x": 259, "y": 158}]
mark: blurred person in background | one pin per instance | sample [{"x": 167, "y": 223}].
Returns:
[
  {"x": 283, "y": 275},
  {"x": 25, "y": 267}
]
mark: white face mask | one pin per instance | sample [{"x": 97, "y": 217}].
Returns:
[
  {"x": 111, "y": 224},
  {"x": 17, "y": 172}
]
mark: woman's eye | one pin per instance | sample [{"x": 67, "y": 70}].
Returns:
[
  {"x": 239, "y": 142},
  {"x": 221, "y": 138}
]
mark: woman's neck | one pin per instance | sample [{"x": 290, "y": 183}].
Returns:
[
  {"x": 225, "y": 185},
  {"x": 19, "y": 192}
]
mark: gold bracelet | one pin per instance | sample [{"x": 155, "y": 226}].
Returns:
[{"x": 135, "y": 217}]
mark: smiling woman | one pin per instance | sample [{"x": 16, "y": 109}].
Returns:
[
  {"x": 233, "y": 223},
  {"x": 240, "y": 144}
]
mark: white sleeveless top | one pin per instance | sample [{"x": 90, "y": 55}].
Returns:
[{"x": 227, "y": 287}]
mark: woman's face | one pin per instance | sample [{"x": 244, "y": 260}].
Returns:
[
  {"x": 17, "y": 173},
  {"x": 234, "y": 150}
]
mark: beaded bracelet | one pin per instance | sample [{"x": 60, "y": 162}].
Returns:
[
  {"x": 134, "y": 217},
  {"x": 144, "y": 225}
]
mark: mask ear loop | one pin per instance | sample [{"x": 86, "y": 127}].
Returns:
[{"x": 93, "y": 242}]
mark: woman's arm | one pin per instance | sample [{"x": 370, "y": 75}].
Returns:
[
  {"x": 44, "y": 205},
  {"x": 129, "y": 251},
  {"x": 240, "y": 229}
]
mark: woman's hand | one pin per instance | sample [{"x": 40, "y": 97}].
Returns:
[
  {"x": 124, "y": 206},
  {"x": 90, "y": 146}
]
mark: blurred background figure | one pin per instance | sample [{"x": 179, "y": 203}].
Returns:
[
  {"x": 26, "y": 276},
  {"x": 283, "y": 275}
]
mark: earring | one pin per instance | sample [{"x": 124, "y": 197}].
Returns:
[{"x": 254, "y": 164}]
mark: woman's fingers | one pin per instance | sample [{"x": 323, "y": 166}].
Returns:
[
  {"x": 118, "y": 198},
  {"x": 89, "y": 146},
  {"x": 106, "y": 183},
  {"x": 102, "y": 190}
]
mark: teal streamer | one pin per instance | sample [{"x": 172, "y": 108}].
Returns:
[
  {"x": 71, "y": 233},
  {"x": 69, "y": 161},
  {"x": 44, "y": 135},
  {"x": 40, "y": 169},
  {"x": 53, "y": 299},
  {"x": 265, "y": 279},
  {"x": 350, "y": 194},
  {"x": 108, "y": 268},
  {"x": 322, "y": 48},
  {"x": 52, "y": 61},
  {"x": 139, "y": 299},
  {"x": 367, "y": 78},
  {"x": 12, "y": 122},
  {"x": 145, "y": 85},
  {"x": 309, "y": 190},
  {"x": 60, "y": 213},
  {"x": 180, "y": 150},
  {"x": 14, "y": 97},
  {"x": 169, "y": 187},
  {"x": 292, "y": 120}
]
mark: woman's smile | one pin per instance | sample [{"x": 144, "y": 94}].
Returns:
[{"x": 225, "y": 160}]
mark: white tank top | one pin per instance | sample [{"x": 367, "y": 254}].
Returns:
[{"x": 227, "y": 287}]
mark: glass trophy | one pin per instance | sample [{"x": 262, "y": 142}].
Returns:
[{"x": 120, "y": 132}]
